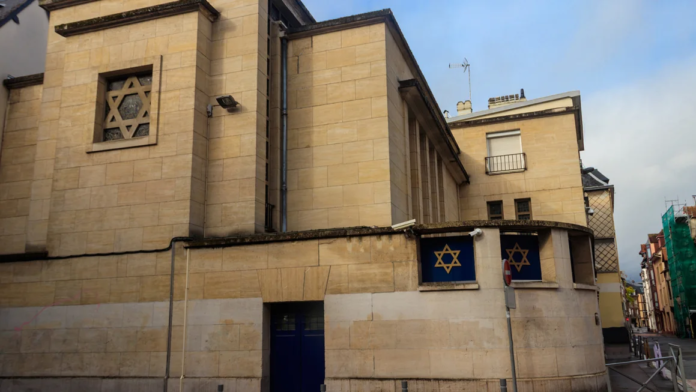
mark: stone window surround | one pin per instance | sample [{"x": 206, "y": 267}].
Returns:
[
  {"x": 548, "y": 267},
  {"x": 152, "y": 63}
]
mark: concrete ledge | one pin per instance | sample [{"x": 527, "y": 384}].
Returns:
[
  {"x": 52, "y": 5},
  {"x": 137, "y": 16},
  {"x": 534, "y": 285},
  {"x": 23, "y": 81},
  {"x": 580, "y": 286},
  {"x": 440, "y": 286}
]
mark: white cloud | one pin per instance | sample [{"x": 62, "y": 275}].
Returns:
[{"x": 643, "y": 137}]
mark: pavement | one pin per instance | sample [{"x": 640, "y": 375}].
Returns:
[{"x": 642, "y": 372}]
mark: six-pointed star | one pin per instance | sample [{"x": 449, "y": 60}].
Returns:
[
  {"x": 521, "y": 263},
  {"x": 455, "y": 262},
  {"x": 128, "y": 126}
]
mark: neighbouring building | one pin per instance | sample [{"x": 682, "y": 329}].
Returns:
[
  {"x": 599, "y": 195},
  {"x": 663, "y": 284},
  {"x": 23, "y": 34},
  {"x": 529, "y": 151},
  {"x": 200, "y": 193},
  {"x": 647, "y": 276},
  {"x": 679, "y": 227}
]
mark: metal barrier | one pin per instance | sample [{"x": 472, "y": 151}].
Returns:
[
  {"x": 644, "y": 385},
  {"x": 640, "y": 348}
]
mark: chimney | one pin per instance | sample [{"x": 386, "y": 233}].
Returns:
[
  {"x": 506, "y": 100},
  {"x": 463, "y": 108},
  {"x": 446, "y": 112}
]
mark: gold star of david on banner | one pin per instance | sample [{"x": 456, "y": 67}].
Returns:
[
  {"x": 447, "y": 251},
  {"x": 521, "y": 263}
]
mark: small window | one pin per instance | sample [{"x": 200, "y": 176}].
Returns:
[
  {"x": 127, "y": 113},
  {"x": 523, "y": 209},
  {"x": 495, "y": 210}
]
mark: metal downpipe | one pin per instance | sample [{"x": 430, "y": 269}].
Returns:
[{"x": 284, "y": 133}]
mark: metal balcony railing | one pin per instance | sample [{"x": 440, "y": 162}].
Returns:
[
  {"x": 510, "y": 163},
  {"x": 268, "y": 224}
]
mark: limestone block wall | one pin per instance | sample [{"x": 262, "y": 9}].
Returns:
[
  {"x": 552, "y": 179},
  {"x": 338, "y": 139},
  {"x": 128, "y": 199},
  {"x": 237, "y": 141},
  {"x": 18, "y": 167},
  {"x": 462, "y": 335},
  {"x": 402, "y": 165},
  {"x": 106, "y": 318}
]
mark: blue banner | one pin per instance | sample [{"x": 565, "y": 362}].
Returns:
[
  {"x": 447, "y": 259},
  {"x": 523, "y": 253}
]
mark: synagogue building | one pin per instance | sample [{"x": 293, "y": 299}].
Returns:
[{"x": 202, "y": 194}]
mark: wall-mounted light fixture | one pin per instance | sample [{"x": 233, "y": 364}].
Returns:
[{"x": 226, "y": 102}]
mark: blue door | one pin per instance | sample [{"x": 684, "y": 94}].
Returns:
[{"x": 297, "y": 347}]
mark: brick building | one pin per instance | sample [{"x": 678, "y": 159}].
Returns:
[{"x": 201, "y": 194}]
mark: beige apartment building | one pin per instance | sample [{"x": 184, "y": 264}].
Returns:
[
  {"x": 529, "y": 153},
  {"x": 197, "y": 195}
]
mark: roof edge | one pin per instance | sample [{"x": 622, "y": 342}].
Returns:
[
  {"x": 24, "y": 81},
  {"x": 52, "y": 5},
  {"x": 516, "y": 105},
  {"x": 338, "y": 23},
  {"x": 514, "y": 117},
  {"x": 361, "y": 231},
  {"x": 137, "y": 16},
  {"x": 381, "y": 16}
]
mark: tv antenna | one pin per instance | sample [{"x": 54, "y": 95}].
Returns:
[{"x": 467, "y": 68}]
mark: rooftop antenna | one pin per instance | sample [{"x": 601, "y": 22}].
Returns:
[{"x": 467, "y": 68}]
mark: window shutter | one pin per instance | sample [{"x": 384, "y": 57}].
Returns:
[{"x": 504, "y": 145}]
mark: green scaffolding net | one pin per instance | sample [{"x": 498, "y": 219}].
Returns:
[{"x": 681, "y": 254}]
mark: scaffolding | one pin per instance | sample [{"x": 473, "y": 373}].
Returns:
[{"x": 681, "y": 254}]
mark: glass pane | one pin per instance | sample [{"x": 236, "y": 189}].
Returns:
[
  {"x": 496, "y": 208},
  {"x": 314, "y": 323},
  {"x": 523, "y": 206},
  {"x": 130, "y": 106},
  {"x": 145, "y": 80},
  {"x": 116, "y": 84},
  {"x": 143, "y": 130},
  {"x": 524, "y": 217},
  {"x": 112, "y": 134},
  {"x": 286, "y": 323}
]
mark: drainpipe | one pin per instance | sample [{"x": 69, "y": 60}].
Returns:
[
  {"x": 183, "y": 352},
  {"x": 171, "y": 310},
  {"x": 284, "y": 133}
]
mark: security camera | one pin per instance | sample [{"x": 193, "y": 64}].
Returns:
[
  {"x": 589, "y": 211},
  {"x": 404, "y": 225},
  {"x": 476, "y": 233}
]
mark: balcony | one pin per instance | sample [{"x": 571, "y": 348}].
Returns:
[{"x": 502, "y": 164}]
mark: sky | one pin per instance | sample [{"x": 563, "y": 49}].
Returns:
[{"x": 634, "y": 63}]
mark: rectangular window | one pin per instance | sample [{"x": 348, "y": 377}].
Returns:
[
  {"x": 505, "y": 152},
  {"x": 127, "y": 113},
  {"x": 495, "y": 210},
  {"x": 523, "y": 209}
]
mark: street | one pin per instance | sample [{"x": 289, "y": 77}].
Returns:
[{"x": 642, "y": 371}]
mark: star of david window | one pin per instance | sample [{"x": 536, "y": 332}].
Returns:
[{"x": 127, "y": 109}]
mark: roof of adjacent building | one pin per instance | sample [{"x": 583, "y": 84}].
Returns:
[
  {"x": 593, "y": 178},
  {"x": 11, "y": 9},
  {"x": 512, "y": 106}
]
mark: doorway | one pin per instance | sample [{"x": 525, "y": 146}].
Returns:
[{"x": 297, "y": 346}]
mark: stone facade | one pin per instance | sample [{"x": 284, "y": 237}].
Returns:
[
  {"x": 97, "y": 237},
  {"x": 552, "y": 179},
  {"x": 108, "y": 316}
]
